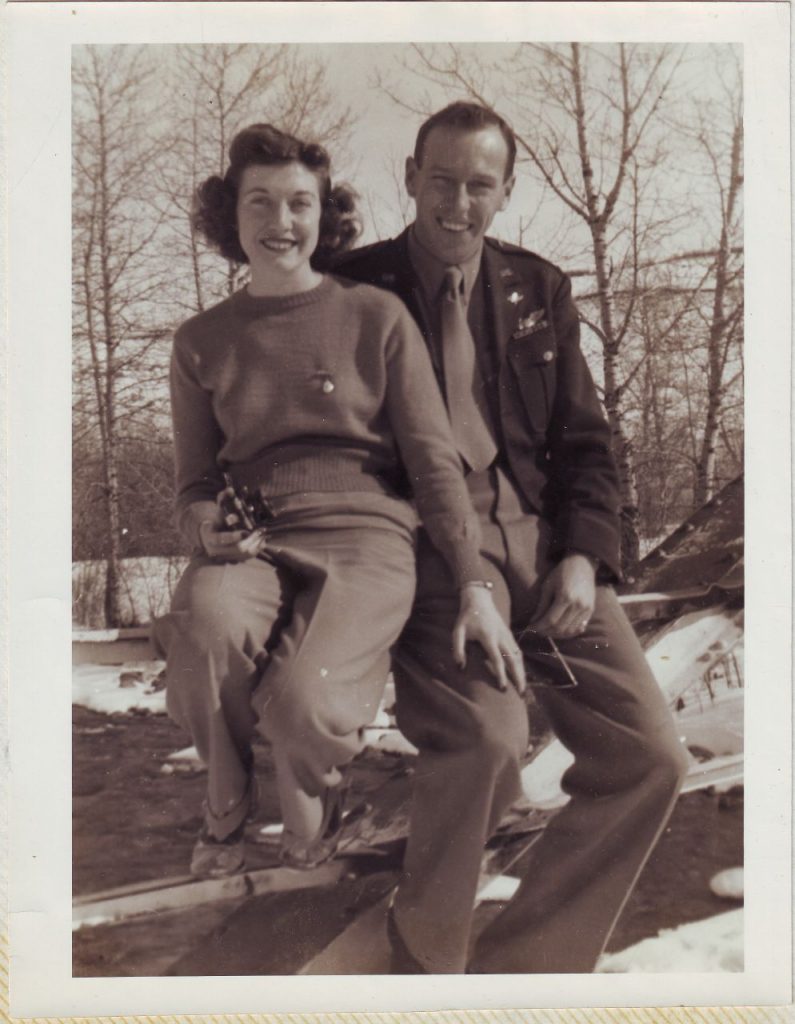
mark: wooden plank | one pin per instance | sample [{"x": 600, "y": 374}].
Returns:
[
  {"x": 132, "y": 901},
  {"x": 720, "y": 771}
]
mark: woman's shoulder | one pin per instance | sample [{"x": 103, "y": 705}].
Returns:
[{"x": 207, "y": 320}]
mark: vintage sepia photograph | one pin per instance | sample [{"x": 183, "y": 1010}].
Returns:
[
  {"x": 244, "y": 197},
  {"x": 409, "y": 439}
]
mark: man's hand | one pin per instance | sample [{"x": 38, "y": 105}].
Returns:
[
  {"x": 230, "y": 545},
  {"x": 567, "y": 598},
  {"x": 479, "y": 621}
]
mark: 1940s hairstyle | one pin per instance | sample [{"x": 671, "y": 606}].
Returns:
[
  {"x": 215, "y": 207},
  {"x": 467, "y": 117}
]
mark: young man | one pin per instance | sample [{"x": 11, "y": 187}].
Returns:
[{"x": 503, "y": 335}]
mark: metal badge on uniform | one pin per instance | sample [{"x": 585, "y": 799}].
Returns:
[
  {"x": 529, "y": 324},
  {"x": 515, "y": 297}
]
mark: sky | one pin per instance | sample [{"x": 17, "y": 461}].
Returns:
[{"x": 384, "y": 133}]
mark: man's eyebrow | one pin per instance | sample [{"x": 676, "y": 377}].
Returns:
[{"x": 441, "y": 169}]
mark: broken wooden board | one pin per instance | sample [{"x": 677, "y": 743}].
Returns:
[
  {"x": 370, "y": 831},
  {"x": 182, "y": 892}
]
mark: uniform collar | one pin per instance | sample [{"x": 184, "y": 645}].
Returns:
[{"x": 430, "y": 271}]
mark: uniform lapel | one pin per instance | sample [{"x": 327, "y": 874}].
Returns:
[{"x": 396, "y": 274}]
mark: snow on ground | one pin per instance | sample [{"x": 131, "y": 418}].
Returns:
[
  {"x": 715, "y": 944},
  {"x": 119, "y": 689}
]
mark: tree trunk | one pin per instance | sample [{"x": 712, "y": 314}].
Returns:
[
  {"x": 719, "y": 333},
  {"x": 625, "y": 462},
  {"x": 113, "y": 615}
]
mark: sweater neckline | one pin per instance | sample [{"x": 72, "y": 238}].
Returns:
[{"x": 280, "y": 303}]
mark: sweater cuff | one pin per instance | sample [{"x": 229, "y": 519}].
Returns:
[
  {"x": 191, "y": 518},
  {"x": 466, "y": 563}
]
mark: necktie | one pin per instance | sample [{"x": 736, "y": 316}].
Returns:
[{"x": 463, "y": 384}]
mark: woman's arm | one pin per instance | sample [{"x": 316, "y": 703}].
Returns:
[
  {"x": 422, "y": 430},
  {"x": 197, "y": 441}
]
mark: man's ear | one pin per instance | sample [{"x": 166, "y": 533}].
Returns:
[
  {"x": 411, "y": 176},
  {"x": 507, "y": 188}
]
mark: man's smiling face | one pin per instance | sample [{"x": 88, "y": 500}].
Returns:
[{"x": 458, "y": 186}]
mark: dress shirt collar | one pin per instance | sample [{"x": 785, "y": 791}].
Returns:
[{"x": 430, "y": 270}]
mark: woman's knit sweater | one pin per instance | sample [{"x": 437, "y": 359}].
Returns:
[{"x": 327, "y": 390}]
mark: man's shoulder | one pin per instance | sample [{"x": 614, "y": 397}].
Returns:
[
  {"x": 524, "y": 262},
  {"x": 370, "y": 262}
]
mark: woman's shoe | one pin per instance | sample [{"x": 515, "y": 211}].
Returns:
[
  {"x": 304, "y": 854},
  {"x": 218, "y": 858}
]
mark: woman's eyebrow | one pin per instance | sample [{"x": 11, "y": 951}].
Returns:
[{"x": 255, "y": 189}]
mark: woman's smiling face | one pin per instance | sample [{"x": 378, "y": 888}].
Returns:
[{"x": 278, "y": 223}]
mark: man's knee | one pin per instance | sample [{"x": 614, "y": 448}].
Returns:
[
  {"x": 492, "y": 734},
  {"x": 668, "y": 761},
  {"x": 499, "y": 738}
]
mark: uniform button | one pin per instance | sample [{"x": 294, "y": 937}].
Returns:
[
  {"x": 328, "y": 386},
  {"x": 548, "y": 356}
]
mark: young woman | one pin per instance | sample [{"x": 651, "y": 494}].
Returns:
[{"x": 318, "y": 394}]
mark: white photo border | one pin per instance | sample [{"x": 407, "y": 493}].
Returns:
[{"x": 39, "y": 38}]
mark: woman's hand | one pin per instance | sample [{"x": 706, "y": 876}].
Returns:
[
  {"x": 479, "y": 621},
  {"x": 230, "y": 545}
]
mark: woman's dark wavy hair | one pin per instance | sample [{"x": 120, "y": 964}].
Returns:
[{"x": 215, "y": 207}]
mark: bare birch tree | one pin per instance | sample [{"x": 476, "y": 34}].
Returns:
[
  {"x": 719, "y": 133},
  {"x": 117, "y": 282},
  {"x": 147, "y": 127}
]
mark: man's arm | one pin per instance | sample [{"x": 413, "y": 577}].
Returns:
[
  {"x": 582, "y": 469},
  {"x": 586, "y": 528}
]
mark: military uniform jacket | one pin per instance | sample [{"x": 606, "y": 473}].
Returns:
[{"x": 553, "y": 432}]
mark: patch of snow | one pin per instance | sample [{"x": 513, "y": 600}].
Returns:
[
  {"x": 269, "y": 831},
  {"x": 676, "y": 657},
  {"x": 91, "y": 922},
  {"x": 499, "y": 889},
  {"x": 715, "y": 944},
  {"x": 183, "y": 762},
  {"x": 542, "y": 777},
  {"x": 99, "y": 688},
  {"x": 728, "y": 884},
  {"x": 186, "y": 754},
  {"x": 391, "y": 741}
]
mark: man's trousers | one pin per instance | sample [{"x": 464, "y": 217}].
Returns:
[
  {"x": 297, "y": 646},
  {"x": 627, "y": 772}
]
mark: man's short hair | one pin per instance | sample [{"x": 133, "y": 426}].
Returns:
[{"x": 467, "y": 117}]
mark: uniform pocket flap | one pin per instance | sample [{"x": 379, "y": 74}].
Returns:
[{"x": 537, "y": 349}]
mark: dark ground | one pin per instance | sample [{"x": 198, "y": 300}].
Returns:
[{"x": 134, "y": 823}]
